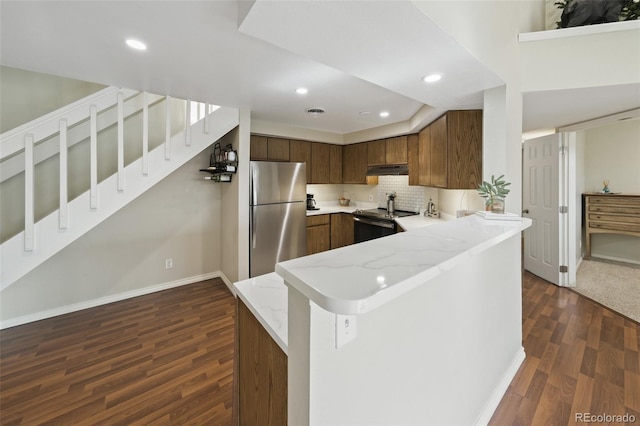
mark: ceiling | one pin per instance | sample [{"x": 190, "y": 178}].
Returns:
[{"x": 356, "y": 59}]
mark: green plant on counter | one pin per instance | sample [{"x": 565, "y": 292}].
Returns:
[{"x": 494, "y": 191}]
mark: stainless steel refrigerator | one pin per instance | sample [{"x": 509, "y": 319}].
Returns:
[{"x": 278, "y": 218}]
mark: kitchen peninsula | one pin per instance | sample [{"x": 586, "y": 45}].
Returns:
[{"x": 421, "y": 327}]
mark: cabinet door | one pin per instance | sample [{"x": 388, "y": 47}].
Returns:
[
  {"x": 262, "y": 372},
  {"x": 438, "y": 152},
  {"x": 335, "y": 163},
  {"x": 318, "y": 239},
  {"x": 376, "y": 152},
  {"x": 278, "y": 149},
  {"x": 464, "y": 149},
  {"x": 300, "y": 152},
  {"x": 320, "y": 158},
  {"x": 413, "y": 160},
  {"x": 341, "y": 230},
  {"x": 258, "y": 148},
  {"x": 396, "y": 150},
  {"x": 424, "y": 157},
  {"x": 354, "y": 163}
]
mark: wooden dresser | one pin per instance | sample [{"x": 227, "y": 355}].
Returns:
[{"x": 611, "y": 214}]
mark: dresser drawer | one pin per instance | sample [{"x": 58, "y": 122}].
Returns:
[
  {"x": 626, "y": 210},
  {"x": 613, "y": 218},
  {"x": 616, "y": 226},
  {"x": 613, "y": 200}
]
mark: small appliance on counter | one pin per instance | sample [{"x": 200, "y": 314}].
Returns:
[
  {"x": 311, "y": 203},
  {"x": 431, "y": 209}
]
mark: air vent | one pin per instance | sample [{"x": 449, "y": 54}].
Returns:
[{"x": 315, "y": 111}]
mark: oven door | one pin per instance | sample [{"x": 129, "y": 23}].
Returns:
[{"x": 365, "y": 229}]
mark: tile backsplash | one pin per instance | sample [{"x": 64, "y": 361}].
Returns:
[{"x": 410, "y": 198}]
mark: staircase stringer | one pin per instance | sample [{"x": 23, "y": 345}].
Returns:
[{"x": 50, "y": 239}]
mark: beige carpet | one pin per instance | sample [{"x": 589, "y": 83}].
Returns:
[{"x": 613, "y": 285}]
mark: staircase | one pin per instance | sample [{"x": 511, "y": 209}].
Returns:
[{"x": 24, "y": 147}]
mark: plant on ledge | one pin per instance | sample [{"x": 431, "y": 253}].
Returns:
[
  {"x": 494, "y": 193},
  {"x": 586, "y": 12}
]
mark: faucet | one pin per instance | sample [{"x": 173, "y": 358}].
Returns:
[
  {"x": 391, "y": 197},
  {"x": 431, "y": 208}
]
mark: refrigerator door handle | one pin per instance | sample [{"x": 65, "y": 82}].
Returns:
[{"x": 254, "y": 218}]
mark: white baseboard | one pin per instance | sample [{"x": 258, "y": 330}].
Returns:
[
  {"x": 616, "y": 259},
  {"x": 12, "y": 322},
  {"x": 500, "y": 389}
]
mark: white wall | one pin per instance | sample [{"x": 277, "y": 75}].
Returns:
[
  {"x": 178, "y": 218},
  {"x": 406, "y": 364},
  {"x": 613, "y": 152},
  {"x": 229, "y": 216},
  {"x": 28, "y": 95}
]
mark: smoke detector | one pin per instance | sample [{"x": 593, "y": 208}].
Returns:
[{"x": 315, "y": 111}]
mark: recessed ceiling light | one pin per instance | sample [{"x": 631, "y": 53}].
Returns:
[
  {"x": 432, "y": 78},
  {"x": 301, "y": 91},
  {"x": 136, "y": 44},
  {"x": 384, "y": 114}
]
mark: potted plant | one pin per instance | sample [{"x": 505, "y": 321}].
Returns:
[{"x": 494, "y": 193}]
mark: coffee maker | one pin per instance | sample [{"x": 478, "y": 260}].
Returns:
[{"x": 311, "y": 203}]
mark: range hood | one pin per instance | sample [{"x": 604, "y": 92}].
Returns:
[{"x": 388, "y": 170}]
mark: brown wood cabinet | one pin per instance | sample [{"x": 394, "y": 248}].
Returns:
[
  {"x": 413, "y": 159},
  {"x": 318, "y": 233},
  {"x": 424, "y": 157},
  {"x": 611, "y": 214},
  {"x": 258, "y": 148},
  {"x": 354, "y": 163},
  {"x": 300, "y": 152},
  {"x": 335, "y": 163},
  {"x": 376, "y": 152},
  {"x": 320, "y": 162},
  {"x": 396, "y": 150},
  {"x": 262, "y": 373},
  {"x": 268, "y": 149},
  {"x": 341, "y": 230},
  {"x": 456, "y": 150}
]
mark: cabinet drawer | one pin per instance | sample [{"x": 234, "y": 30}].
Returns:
[
  {"x": 614, "y": 218},
  {"x": 625, "y": 210},
  {"x": 616, "y": 226},
  {"x": 320, "y": 219},
  {"x": 612, "y": 200}
]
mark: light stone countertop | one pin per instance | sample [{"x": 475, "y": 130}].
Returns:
[
  {"x": 334, "y": 207},
  {"x": 356, "y": 279},
  {"x": 385, "y": 268}
]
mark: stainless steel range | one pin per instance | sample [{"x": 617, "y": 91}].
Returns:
[{"x": 375, "y": 223}]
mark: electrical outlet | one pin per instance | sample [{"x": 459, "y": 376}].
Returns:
[
  {"x": 370, "y": 197},
  {"x": 345, "y": 329},
  {"x": 168, "y": 263}
]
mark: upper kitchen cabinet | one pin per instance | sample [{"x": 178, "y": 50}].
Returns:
[
  {"x": 335, "y": 162},
  {"x": 396, "y": 150},
  {"x": 300, "y": 152},
  {"x": 320, "y": 163},
  {"x": 269, "y": 149},
  {"x": 413, "y": 159},
  {"x": 456, "y": 150},
  {"x": 424, "y": 157},
  {"x": 376, "y": 153},
  {"x": 354, "y": 163}
]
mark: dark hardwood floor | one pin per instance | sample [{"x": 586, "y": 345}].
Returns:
[
  {"x": 167, "y": 358},
  {"x": 581, "y": 358},
  {"x": 163, "y": 358}
]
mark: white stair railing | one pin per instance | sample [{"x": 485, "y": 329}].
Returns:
[{"x": 40, "y": 240}]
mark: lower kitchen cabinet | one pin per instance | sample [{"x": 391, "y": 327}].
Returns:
[
  {"x": 262, "y": 373},
  {"x": 318, "y": 233},
  {"x": 341, "y": 230}
]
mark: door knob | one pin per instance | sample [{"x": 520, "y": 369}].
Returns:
[{"x": 525, "y": 211}]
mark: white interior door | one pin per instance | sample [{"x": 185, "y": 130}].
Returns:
[{"x": 542, "y": 193}]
